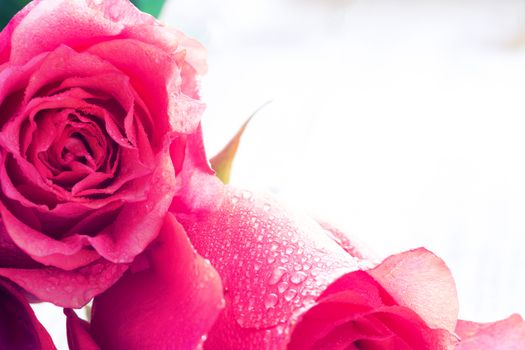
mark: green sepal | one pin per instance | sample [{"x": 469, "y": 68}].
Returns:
[{"x": 222, "y": 162}]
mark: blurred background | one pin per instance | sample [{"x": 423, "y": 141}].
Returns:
[{"x": 400, "y": 121}]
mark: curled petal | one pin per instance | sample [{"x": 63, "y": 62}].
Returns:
[
  {"x": 273, "y": 263},
  {"x": 67, "y": 254},
  {"x": 171, "y": 289},
  {"x": 19, "y": 327},
  {"x": 66, "y": 288},
  {"x": 47, "y": 24},
  {"x": 138, "y": 223},
  {"x": 508, "y": 334},
  {"x": 78, "y": 336},
  {"x": 421, "y": 281},
  {"x": 277, "y": 264}
]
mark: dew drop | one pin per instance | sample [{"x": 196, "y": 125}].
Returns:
[
  {"x": 270, "y": 301},
  {"x": 277, "y": 275},
  {"x": 289, "y": 250},
  {"x": 290, "y": 294},
  {"x": 297, "y": 277},
  {"x": 281, "y": 287}
]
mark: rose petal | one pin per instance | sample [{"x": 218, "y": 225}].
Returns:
[
  {"x": 66, "y": 288},
  {"x": 422, "y": 282},
  {"x": 7, "y": 32},
  {"x": 273, "y": 263},
  {"x": 19, "y": 328},
  {"x": 367, "y": 301},
  {"x": 156, "y": 78},
  {"x": 277, "y": 264},
  {"x": 138, "y": 223},
  {"x": 10, "y": 254},
  {"x": 508, "y": 334},
  {"x": 68, "y": 253},
  {"x": 78, "y": 336},
  {"x": 193, "y": 172},
  {"x": 350, "y": 245},
  {"x": 178, "y": 296},
  {"x": 48, "y": 24},
  {"x": 12, "y": 81}
]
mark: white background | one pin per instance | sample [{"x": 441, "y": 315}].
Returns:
[{"x": 401, "y": 122}]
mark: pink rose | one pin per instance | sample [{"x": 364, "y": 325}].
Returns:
[
  {"x": 92, "y": 96},
  {"x": 288, "y": 283}
]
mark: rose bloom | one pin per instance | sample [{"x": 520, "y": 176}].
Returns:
[
  {"x": 334, "y": 300},
  {"x": 288, "y": 283},
  {"x": 92, "y": 96},
  {"x": 106, "y": 192}
]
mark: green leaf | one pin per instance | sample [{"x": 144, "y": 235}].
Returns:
[
  {"x": 8, "y": 8},
  {"x": 222, "y": 162},
  {"x": 153, "y": 7}
]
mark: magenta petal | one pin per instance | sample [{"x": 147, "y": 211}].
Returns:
[
  {"x": 68, "y": 254},
  {"x": 193, "y": 172},
  {"x": 78, "y": 336},
  {"x": 66, "y": 288},
  {"x": 421, "y": 281},
  {"x": 156, "y": 77},
  {"x": 356, "y": 310},
  {"x": 170, "y": 304},
  {"x": 47, "y": 24},
  {"x": 276, "y": 265},
  {"x": 19, "y": 328},
  {"x": 138, "y": 223},
  {"x": 507, "y": 334},
  {"x": 273, "y": 263}
]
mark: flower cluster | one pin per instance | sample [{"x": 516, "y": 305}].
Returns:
[{"x": 106, "y": 194}]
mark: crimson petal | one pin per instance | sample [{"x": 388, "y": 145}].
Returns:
[
  {"x": 277, "y": 264},
  {"x": 175, "y": 292},
  {"x": 66, "y": 288},
  {"x": 78, "y": 336},
  {"x": 19, "y": 327}
]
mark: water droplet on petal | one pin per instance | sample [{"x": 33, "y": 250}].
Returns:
[
  {"x": 281, "y": 287},
  {"x": 277, "y": 275},
  {"x": 290, "y": 294},
  {"x": 270, "y": 301},
  {"x": 297, "y": 277}
]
